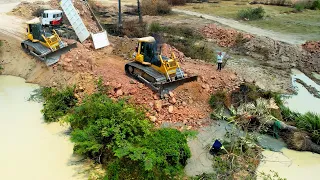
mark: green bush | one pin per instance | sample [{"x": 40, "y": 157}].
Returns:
[
  {"x": 315, "y": 5},
  {"x": 299, "y": 7},
  {"x": 160, "y": 155},
  {"x": 57, "y": 103},
  {"x": 251, "y": 13},
  {"x": 217, "y": 100},
  {"x": 310, "y": 122},
  {"x": 118, "y": 132}
]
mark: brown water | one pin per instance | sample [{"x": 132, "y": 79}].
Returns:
[
  {"x": 31, "y": 149},
  {"x": 288, "y": 163}
]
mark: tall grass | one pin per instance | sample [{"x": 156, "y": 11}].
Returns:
[{"x": 310, "y": 122}]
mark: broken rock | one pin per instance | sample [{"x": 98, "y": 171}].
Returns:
[
  {"x": 153, "y": 118},
  {"x": 170, "y": 109},
  {"x": 119, "y": 92},
  {"x": 158, "y": 105},
  {"x": 173, "y": 100}
]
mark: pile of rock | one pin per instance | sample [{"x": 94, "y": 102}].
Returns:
[
  {"x": 224, "y": 37},
  {"x": 312, "y": 46},
  {"x": 166, "y": 50}
]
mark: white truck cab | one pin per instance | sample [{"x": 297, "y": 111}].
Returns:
[{"x": 51, "y": 17}]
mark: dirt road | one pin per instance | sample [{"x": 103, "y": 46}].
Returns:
[
  {"x": 12, "y": 25},
  {"x": 288, "y": 38}
]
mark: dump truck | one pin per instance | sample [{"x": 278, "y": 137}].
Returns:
[
  {"x": 43, "y": 44},
  {"x": 157, "y": 71}
]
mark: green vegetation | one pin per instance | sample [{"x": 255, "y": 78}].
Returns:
[
  {"x": 310, "y": 122},
  {"x": 277, "y": 18},
  {"x": 301, "y": 5},
  {"x": 57, "y": 103},
  {"x": 251, "y": 13},
  {"x": 238, "y": 161},
  {"x": 218, "y": 99},
  {"x": 185, "y": 40},
  {"x": 117, "y": 135}
]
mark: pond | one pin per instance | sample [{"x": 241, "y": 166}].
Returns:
[{"x": 30, "y": 148}]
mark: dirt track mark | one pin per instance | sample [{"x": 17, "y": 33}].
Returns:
[{"x": 288, "y": 38}]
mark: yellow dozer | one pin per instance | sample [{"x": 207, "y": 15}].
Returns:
[
  {"x": 159, "y": 72},
  {"x": 47, "y": 46}
]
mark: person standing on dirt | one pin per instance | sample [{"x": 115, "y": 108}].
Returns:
[{"x": 219, "y": 60}]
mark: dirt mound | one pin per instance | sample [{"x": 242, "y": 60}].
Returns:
[
  {"x": 123, "y": 46},
  {"x": 211, "y": 79},
  {"x": 275, "y": 53},
  {"x": 312, "y": 46},
  {"x": 80, "y": 59},
  {"x": 166, "y": 50},
  {"x": 224, "y": 37},
  {"x": 29, "y": 10}
]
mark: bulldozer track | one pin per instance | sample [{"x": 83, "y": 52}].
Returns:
[{"x": 153, "y": 79}]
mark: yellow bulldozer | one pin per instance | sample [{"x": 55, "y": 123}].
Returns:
[
  {"x": 44, "y": 44},
  {"x": 159, "y": 72}
]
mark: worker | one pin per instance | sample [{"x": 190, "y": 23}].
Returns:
[{"x": 219, "y": 60}]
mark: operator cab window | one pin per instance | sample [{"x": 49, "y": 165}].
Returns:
[
  {"x": 45, "y": 15},
  {"x": 54, "y": 16}
]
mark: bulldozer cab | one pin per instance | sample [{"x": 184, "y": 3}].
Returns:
[
  {"x": 148, "y": 51},
  {"x": 35, "y": 32}
]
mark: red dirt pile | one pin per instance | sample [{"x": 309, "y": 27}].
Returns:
[
  {"x": 166, "y": 50},
  {"x": 224, "y": 37},
  {"x": 312, "y": 46},
  {"x": 187, "y": 105}
]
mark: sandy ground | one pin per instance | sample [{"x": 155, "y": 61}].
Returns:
[{"x": 247, "y": 28}]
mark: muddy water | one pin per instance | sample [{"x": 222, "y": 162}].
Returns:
[
  {"x": 31, "y": 149},
  {"x": 288, "y": 163},
  {"x": 303, "y": 101}
]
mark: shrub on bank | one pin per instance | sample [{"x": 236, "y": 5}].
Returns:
[
  {"x": 251, "y": 13},
  {"x": 119, "y": 136},
  {"x": 301, "y": 5},
  {"x": 310, "y": 122},
  {"x": 57, "y": 103}
]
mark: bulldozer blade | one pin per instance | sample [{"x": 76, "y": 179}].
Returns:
[
  {"x": 53, "y": 57},
  {"x": 164, "y": 88}
]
